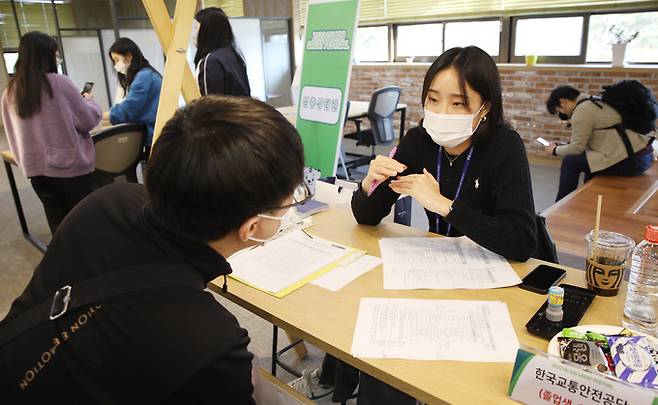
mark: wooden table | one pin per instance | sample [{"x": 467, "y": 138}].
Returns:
[
  {"x": 629, "y": 204},
  {"x": 358, "y": 109},
  {"x": 327, "y": 319}
]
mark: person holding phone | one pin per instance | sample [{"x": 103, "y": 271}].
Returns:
[
  {"x": 47, "y": 123},
  {"x": 220, "y": 64},
  {"x": 140, "y": 84}
]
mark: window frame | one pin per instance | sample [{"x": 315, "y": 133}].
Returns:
[
  {"x": 625, "y": 11},
  {"x": 388, "y": 43},
  {"x": 566, "y": 60},
  {"x": 397, "y": 58}
]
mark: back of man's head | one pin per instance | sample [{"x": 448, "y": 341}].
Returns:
[
  {"x": 561, "y": 92},
  {"x": 218, "y": 162}
]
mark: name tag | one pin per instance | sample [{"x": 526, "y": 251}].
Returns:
[{"x": 539, "y": 378}]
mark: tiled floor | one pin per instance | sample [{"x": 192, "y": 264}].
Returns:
[{"x": 18, "y": 258}]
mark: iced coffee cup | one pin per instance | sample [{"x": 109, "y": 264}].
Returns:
[{"x": 606, "y": 261}]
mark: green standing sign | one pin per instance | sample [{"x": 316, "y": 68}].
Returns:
[{"x": 330, "y": 32}]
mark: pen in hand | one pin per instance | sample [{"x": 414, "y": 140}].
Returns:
[{"x": 375, "y": 183}]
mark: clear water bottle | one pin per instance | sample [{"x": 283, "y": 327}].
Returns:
[{"x": 641, "y": 306}]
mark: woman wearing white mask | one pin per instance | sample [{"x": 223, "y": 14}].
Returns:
[
  {"x": 140, "y": 85},
  {"x": 464, "y": 164}
]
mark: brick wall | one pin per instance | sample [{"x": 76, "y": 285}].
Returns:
[{"x": 525, "y": 90}]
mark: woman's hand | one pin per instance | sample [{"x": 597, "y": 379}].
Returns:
[
  {"x": 88, "y": 96},
  {"x": 381, "y": 168},
  {"x": 425, "y": 189}
]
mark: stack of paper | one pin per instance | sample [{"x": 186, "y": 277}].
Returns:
[
  {"x": 414, "y": 329},
  {"x": 443, "y": 263},
  {"x": 289, "y": 262}
]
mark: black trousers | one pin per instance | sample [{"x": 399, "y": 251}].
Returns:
[
  {"x": 345, "y": 378},
  {"x": 60, "y": 194},
  {"x": 573, "y": 165}
]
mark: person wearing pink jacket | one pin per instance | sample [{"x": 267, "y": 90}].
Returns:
[{"x": 47, "y": 123}]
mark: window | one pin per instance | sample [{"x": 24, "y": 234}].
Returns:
[
  {"x": 643, "y": 49},
  {"x": 8, "y": 31},
  {"x": 10, "y": 61},
  {"x": 419, "y": 40},
  {"x": 33, "y": 16},
  {"x": 549, "y": 37},
  {"x": 371, "y": 44},
  {"x": 483, "y": 34}
]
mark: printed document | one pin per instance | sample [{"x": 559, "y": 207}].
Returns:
[
  {"x": 419, "y": 329},
  {"x": 443, "y": 263},
  {"x": 342, "y": 275},
  {"x": 287, "y": 263}
]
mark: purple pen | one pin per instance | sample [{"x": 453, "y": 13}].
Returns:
[{"x": 375, "y": 183}]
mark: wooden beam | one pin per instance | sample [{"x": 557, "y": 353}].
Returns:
[{"x": 174, "y": 38}]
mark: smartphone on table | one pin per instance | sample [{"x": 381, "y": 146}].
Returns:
[
  {"x": 542, "y": 278},
  {"x": 87, "y": 87}
]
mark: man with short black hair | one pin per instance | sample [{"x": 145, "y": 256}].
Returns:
[
  {"x": 597, "y": 146},
  {"x": 222, "y": 175}
]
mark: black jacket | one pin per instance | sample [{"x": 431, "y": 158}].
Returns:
[
  {"x": 495, "y": 208},
  {"x": 166, "y": 345},
  {"x": 222, "y": 72}
]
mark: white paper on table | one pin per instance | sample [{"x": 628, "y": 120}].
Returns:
[
  {"x": 340, "y": 276},
  {"x": 443, "y": 263},
  {"x": 285, "y": 261},
  {"x": 417, "y": 329}
]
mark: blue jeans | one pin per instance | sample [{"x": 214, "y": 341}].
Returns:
[{"x": 573, "y": 165}]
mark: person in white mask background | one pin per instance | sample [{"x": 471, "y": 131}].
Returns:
[
  {"x": 463, "y": 163},
  {"x": 139, "y": 83}
]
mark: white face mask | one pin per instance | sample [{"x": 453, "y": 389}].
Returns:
[
  {"x": 283, "y": 222},
  {"x": 450, "y": 130},
  {"x": 121, "y": 67},
  {"x": 195, "y": 32}
]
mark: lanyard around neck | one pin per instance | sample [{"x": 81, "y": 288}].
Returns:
[{"x": 459, "y": 186}]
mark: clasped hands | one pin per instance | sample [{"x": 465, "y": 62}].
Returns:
[{"x": 422, "y": 187}]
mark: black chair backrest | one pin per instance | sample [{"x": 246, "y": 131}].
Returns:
[{"x": 383, "y": 104}]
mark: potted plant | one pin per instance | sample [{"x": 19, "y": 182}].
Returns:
[{"x": 621, "y": 38}]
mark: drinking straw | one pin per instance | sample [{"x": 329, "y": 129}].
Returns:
[{"x": 598, "y": 218}]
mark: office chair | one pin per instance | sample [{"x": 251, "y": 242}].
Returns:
[
  {"x": 383, "y": 104},
  {"x": 119, "y": 149}
]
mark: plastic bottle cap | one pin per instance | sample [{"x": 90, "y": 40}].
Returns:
[{"x": 651, "y": 233}]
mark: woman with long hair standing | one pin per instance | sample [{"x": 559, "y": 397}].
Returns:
[
  {"x": 220, "y": 64},
  {"x": 140, "y": 84},
  {"x": 47, "y": 123}
]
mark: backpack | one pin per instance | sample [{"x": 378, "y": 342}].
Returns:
[{"x": 635, "y": 103}]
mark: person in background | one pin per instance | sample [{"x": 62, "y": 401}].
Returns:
[
  {"x": 596, "y": 147},
  {"x": 47, "y": 122},
  {"x": 466, "y": 167},
  {"x": 220, "y": 65},
  {"x": 140, "y": 84},
  {"x": 171, "y": 343}
]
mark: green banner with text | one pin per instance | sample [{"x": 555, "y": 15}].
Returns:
[{"x": 326, "y": 69}]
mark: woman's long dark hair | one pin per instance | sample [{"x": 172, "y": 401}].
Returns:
[
  {"x": 123, "y": 47},
  {"x": 214, "y": 33},
  {"x": 36, "y": 58},
  {"x": 475, "y": 67}
]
